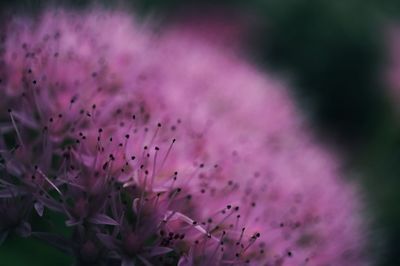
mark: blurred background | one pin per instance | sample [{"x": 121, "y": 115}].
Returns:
[{"x": 336, "y": 55}]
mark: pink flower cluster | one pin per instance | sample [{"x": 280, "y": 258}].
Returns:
[
  {"x": 163, "y": 147},
  {"x": 393, "y": 70}
]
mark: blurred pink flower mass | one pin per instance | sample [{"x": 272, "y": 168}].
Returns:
[
  {"x": 214, "y": 161},
  {"x": 393, "y": 73}
]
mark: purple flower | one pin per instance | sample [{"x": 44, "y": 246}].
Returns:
[{"x": 165, "y": 148}]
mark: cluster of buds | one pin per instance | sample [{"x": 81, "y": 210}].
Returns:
[{"x": 160, "y": 149}]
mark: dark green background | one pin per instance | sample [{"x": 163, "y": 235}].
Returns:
[{"x": 334, "y": 50}]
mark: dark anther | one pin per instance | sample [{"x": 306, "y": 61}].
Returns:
[{"x": 73, "y": 99}]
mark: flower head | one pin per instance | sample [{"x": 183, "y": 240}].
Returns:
[{"x": 165, "y": 148}]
